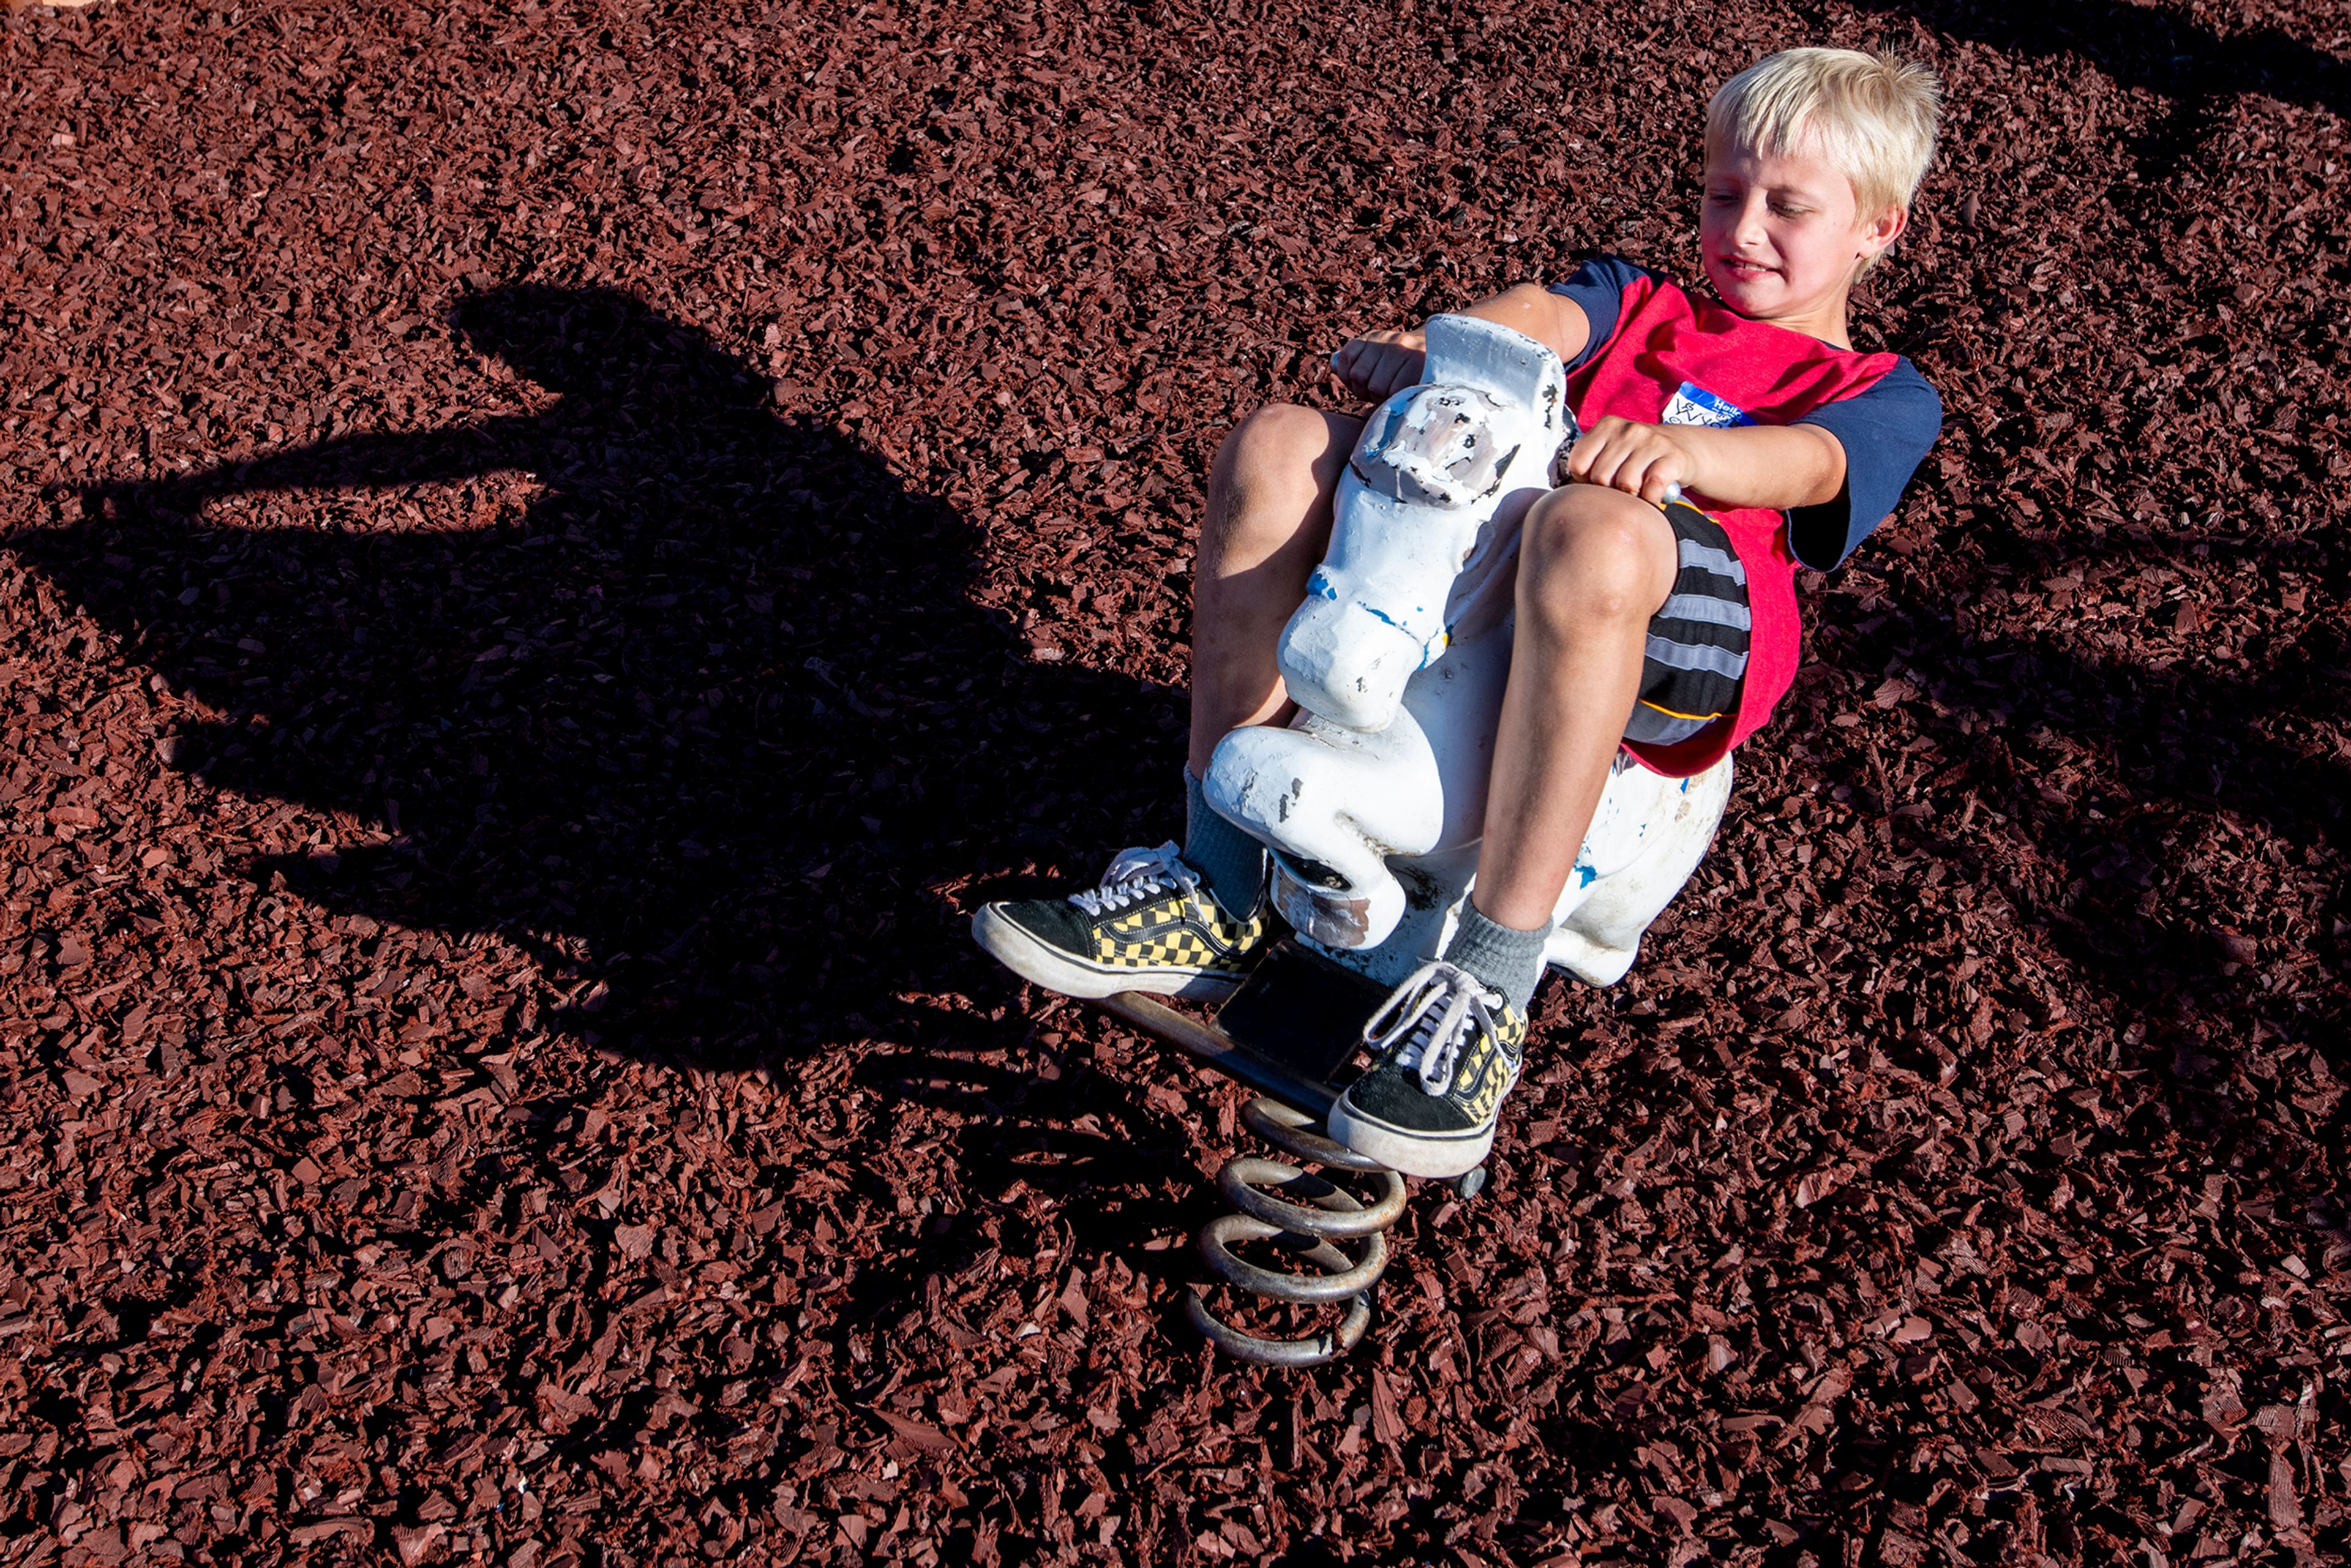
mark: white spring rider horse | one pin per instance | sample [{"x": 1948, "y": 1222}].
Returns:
[{"x": 1373, "y": 799}]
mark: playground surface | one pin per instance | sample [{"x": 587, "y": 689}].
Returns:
[{"x": 555, "y": 552}]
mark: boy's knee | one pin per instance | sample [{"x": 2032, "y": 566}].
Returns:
[
  {"x": 1271, "y": 484},
  {"x": 1285, "y": 444},
  {"x": 1590, "y": 552}
]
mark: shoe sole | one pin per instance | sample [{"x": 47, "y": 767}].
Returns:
[
  {"x": 1014, "y": 946},
  {"x": 1436, "y": 1157}
]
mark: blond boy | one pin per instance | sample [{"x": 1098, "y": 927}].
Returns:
[{"x": 1662, "y": 630}]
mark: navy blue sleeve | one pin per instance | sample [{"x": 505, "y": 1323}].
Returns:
[
  {"x": 1886, "y": 432},
  {"x": 1598, "y": 287}
]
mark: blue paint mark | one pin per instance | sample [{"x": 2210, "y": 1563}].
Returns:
[
  {"x": 1320, "y": 586},
  {"x": 1684, "y": 786},
  {"x": 1585, "y": 876},
  {"x": 1429, "y": 650}
]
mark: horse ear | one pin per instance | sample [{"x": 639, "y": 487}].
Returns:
[{"x": 1500, "y": 361}]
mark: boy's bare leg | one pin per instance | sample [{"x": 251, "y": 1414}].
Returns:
[
  {"x": 1203, "y": 907},
  {"x": 1268, "y": 525},
  {"x": 1594, "y": 565}
]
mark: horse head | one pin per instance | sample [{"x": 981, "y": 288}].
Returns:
[{"x": 1437, "y": 466}]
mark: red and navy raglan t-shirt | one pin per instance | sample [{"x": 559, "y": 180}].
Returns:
[{"x": 1662, "y": 356}]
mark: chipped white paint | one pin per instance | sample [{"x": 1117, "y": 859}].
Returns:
[
  {"x": 1443, "y": 471},
  {"x": 1373, "y": 799}
]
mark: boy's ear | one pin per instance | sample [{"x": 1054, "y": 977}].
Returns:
[{"x": 1883, "y": 231}]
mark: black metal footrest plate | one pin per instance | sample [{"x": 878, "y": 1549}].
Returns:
[{"x": 1301, "y": 1011}]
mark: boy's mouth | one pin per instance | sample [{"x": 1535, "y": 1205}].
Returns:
[{"x": 1741, "y": 267}]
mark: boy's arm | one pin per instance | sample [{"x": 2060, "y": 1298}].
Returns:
[
  {"x": 1780, "y": 466},
  {"x": 1554, "y": 320},
  {"x": 1378, "y": 363}
]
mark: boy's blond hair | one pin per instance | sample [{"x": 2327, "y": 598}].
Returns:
[{"x": 1873, "y": 116}]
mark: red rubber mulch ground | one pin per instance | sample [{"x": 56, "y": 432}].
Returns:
[{"x": 556, "y": 551}]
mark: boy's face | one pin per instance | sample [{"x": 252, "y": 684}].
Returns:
[{"x": 1782, "y": 236}]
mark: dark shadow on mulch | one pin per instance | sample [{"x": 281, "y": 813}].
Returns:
[
  {"x": 700, "y": 727},
  {"x": 2140, "y": 46},
  {"x": 2104, "y": 763}
]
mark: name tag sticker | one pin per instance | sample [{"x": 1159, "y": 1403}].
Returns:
[{"x": 1693, "y": 404}]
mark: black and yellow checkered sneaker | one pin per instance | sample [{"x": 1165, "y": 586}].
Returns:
[
  {"x": 1449, "y": 1049},
  {"x": 1151, "y": 925}
]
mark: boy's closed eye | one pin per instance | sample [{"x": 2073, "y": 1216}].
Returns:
[{"x": 1784, "y": 206}]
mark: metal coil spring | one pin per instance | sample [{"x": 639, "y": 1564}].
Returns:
[{"x": 1308, "y": 1219}]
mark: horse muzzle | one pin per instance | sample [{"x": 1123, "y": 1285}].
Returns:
[{"x": 1348, "y": 662}]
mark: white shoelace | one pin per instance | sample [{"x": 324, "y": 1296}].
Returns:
[
  {"x": 1437, "y": 1008},
  {"x": 1136, "y": 876}
]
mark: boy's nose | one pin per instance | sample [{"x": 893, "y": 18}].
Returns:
[{"x": 1750, "y": 229}]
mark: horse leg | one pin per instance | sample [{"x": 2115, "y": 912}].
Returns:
[
  {"x": 1334, "y": 803},
  {"x": 1594, "y": 565},
  {"x": 1268, "y": 526}
]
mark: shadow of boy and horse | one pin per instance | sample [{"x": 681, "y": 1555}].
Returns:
[
  {"x": 706, "y": 721},
  {"x": 703, "y": 721}
]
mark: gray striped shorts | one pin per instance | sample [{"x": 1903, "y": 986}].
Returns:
[{"x": 1696, "y": 652}]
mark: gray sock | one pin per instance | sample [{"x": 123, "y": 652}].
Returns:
[
  {"x": 1232, "y": 862},
  {"x": 1511, "y": 961}
]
